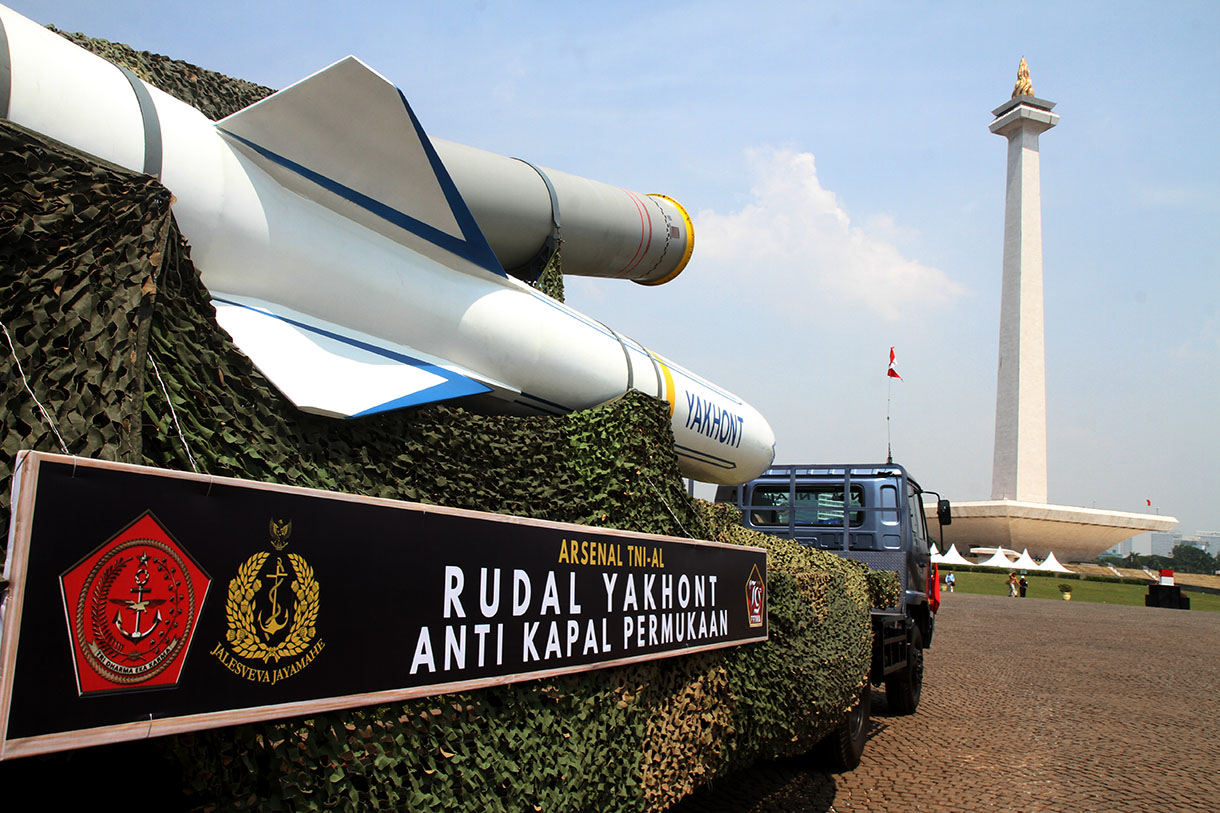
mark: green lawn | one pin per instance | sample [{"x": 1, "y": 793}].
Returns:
[{"x": 996, "y": 584}]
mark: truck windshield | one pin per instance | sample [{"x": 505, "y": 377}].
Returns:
[{"x": 815, "y": 505}]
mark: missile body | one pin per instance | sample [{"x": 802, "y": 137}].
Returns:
[
  {"x": 607, "y": 231},
  {"x": 343, "y": 259}
]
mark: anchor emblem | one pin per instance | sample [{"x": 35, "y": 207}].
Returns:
[
  {"x": 272, "y": 613},
  {"x": 140, "y": 606},
  {"x": 275, "y": 620}
]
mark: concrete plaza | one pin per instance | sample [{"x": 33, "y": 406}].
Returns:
[{"x": 1031, "y": 705}]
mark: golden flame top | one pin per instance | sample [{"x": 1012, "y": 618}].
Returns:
[{"x": 1023, "y": 87}]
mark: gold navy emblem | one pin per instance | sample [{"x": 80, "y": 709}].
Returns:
[{"x": 272, "y": 612}]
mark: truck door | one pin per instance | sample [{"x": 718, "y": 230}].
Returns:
[{"x": 920, "y": 558}]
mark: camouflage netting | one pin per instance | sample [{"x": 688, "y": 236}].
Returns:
[
  {"x": 884, "y": 587},
  {"x": 550, "y": 281},
  {"x": 107, "y": 315},
  {"x": 80, "y": 247}
]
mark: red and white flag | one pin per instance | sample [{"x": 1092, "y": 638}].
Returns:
[{"x": 891, "y": 372}]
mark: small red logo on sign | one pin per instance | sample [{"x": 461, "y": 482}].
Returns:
[
  {"x": 132, "y": 606},
  {"x": 756, "y": 594}
]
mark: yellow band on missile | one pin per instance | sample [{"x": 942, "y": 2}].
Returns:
[
  {"x": 670, "y": 393},
  {"x": 690, "y": 243}
]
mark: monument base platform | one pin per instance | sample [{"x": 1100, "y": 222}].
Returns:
[{"x": 1074, "y": 534}]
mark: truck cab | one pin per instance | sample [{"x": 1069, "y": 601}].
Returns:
[{"x": 873, "y": 513}]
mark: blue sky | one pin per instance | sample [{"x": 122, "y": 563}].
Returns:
[{"x": 847, "y": 196}]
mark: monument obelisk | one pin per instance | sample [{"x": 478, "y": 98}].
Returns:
[
  {"x": 1018, "y": 517},
  {"x": 1019, "y": 470}
]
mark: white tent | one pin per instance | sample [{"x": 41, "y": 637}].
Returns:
[
  {"x": 953, "y": 557},
  {"x": 1025, "y": 562},
  {"x": 1052, "y": 564},
  {"x": 998, "y": 559}
]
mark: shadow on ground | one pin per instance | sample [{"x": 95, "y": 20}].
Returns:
[{"x": 797, "y": 783}]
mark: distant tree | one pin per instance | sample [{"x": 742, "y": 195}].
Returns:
[
  {"x": 1109, "y": 560},
  {"x": 1189, "y": 559},
  {"x": 1155, "y": 563},
  {"x": 1133, "y": 560}
]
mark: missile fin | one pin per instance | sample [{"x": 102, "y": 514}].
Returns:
[
  {"x": 347, "y": 139},
  {"x": 329, "y": 370}
]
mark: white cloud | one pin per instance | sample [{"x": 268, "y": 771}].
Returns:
[{"x": 795, "y": 239}]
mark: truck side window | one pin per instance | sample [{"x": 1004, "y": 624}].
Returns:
[
  {"x": 823, "y": 505},
  {"x": 888, "y": 515},
  {"x": 815, "y": 505},
  {"x": 768, "y": 505}
]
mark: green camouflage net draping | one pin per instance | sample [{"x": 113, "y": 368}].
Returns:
[
  {"x": 81, "y": 246},
  {"x": 884, "y": 587},
  {"x": 550, "y": 281},
  {"x": 108, "y": 316}
]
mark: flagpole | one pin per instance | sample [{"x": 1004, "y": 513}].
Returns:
[
  {"x": 890, "y": 375},
  {"x": 889, "y": 448}
]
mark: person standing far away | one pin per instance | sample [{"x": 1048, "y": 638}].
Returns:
[
  {"x": 1024, "y": 585},
  {"x": 950, "y": 580},
  {"x": 1012, "y": 585}
]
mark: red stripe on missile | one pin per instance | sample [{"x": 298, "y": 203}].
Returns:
[{"x": 645, "y": 240}]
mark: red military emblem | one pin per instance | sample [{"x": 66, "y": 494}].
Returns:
[
  {"x": 756, "y": 593},
  {"x": 132, "y": 606}
]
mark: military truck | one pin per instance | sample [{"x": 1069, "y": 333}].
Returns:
[{"x": 873, "y": 513}]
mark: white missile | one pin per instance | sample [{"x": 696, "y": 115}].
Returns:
[
  {"x": 607, "y": 231},
  {"x": 344, "y": 261}
]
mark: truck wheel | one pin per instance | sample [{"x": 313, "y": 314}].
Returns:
[
  {"x": 902, "y": 691},
  {"x": 842, "y": 748}
]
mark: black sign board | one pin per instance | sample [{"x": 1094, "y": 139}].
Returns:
[{"x": 145, "y": 602}]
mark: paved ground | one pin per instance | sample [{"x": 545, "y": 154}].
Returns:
[{"x": 1031, "y": 705}]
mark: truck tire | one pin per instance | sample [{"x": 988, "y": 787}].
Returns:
[
  {"x": 903, "y": 689},
  {"x": 840, "y": 751}
]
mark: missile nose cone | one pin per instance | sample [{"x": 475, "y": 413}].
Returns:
[
  {"x": 718, "y": 437},
  {"x": 762, "y": 448}
]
